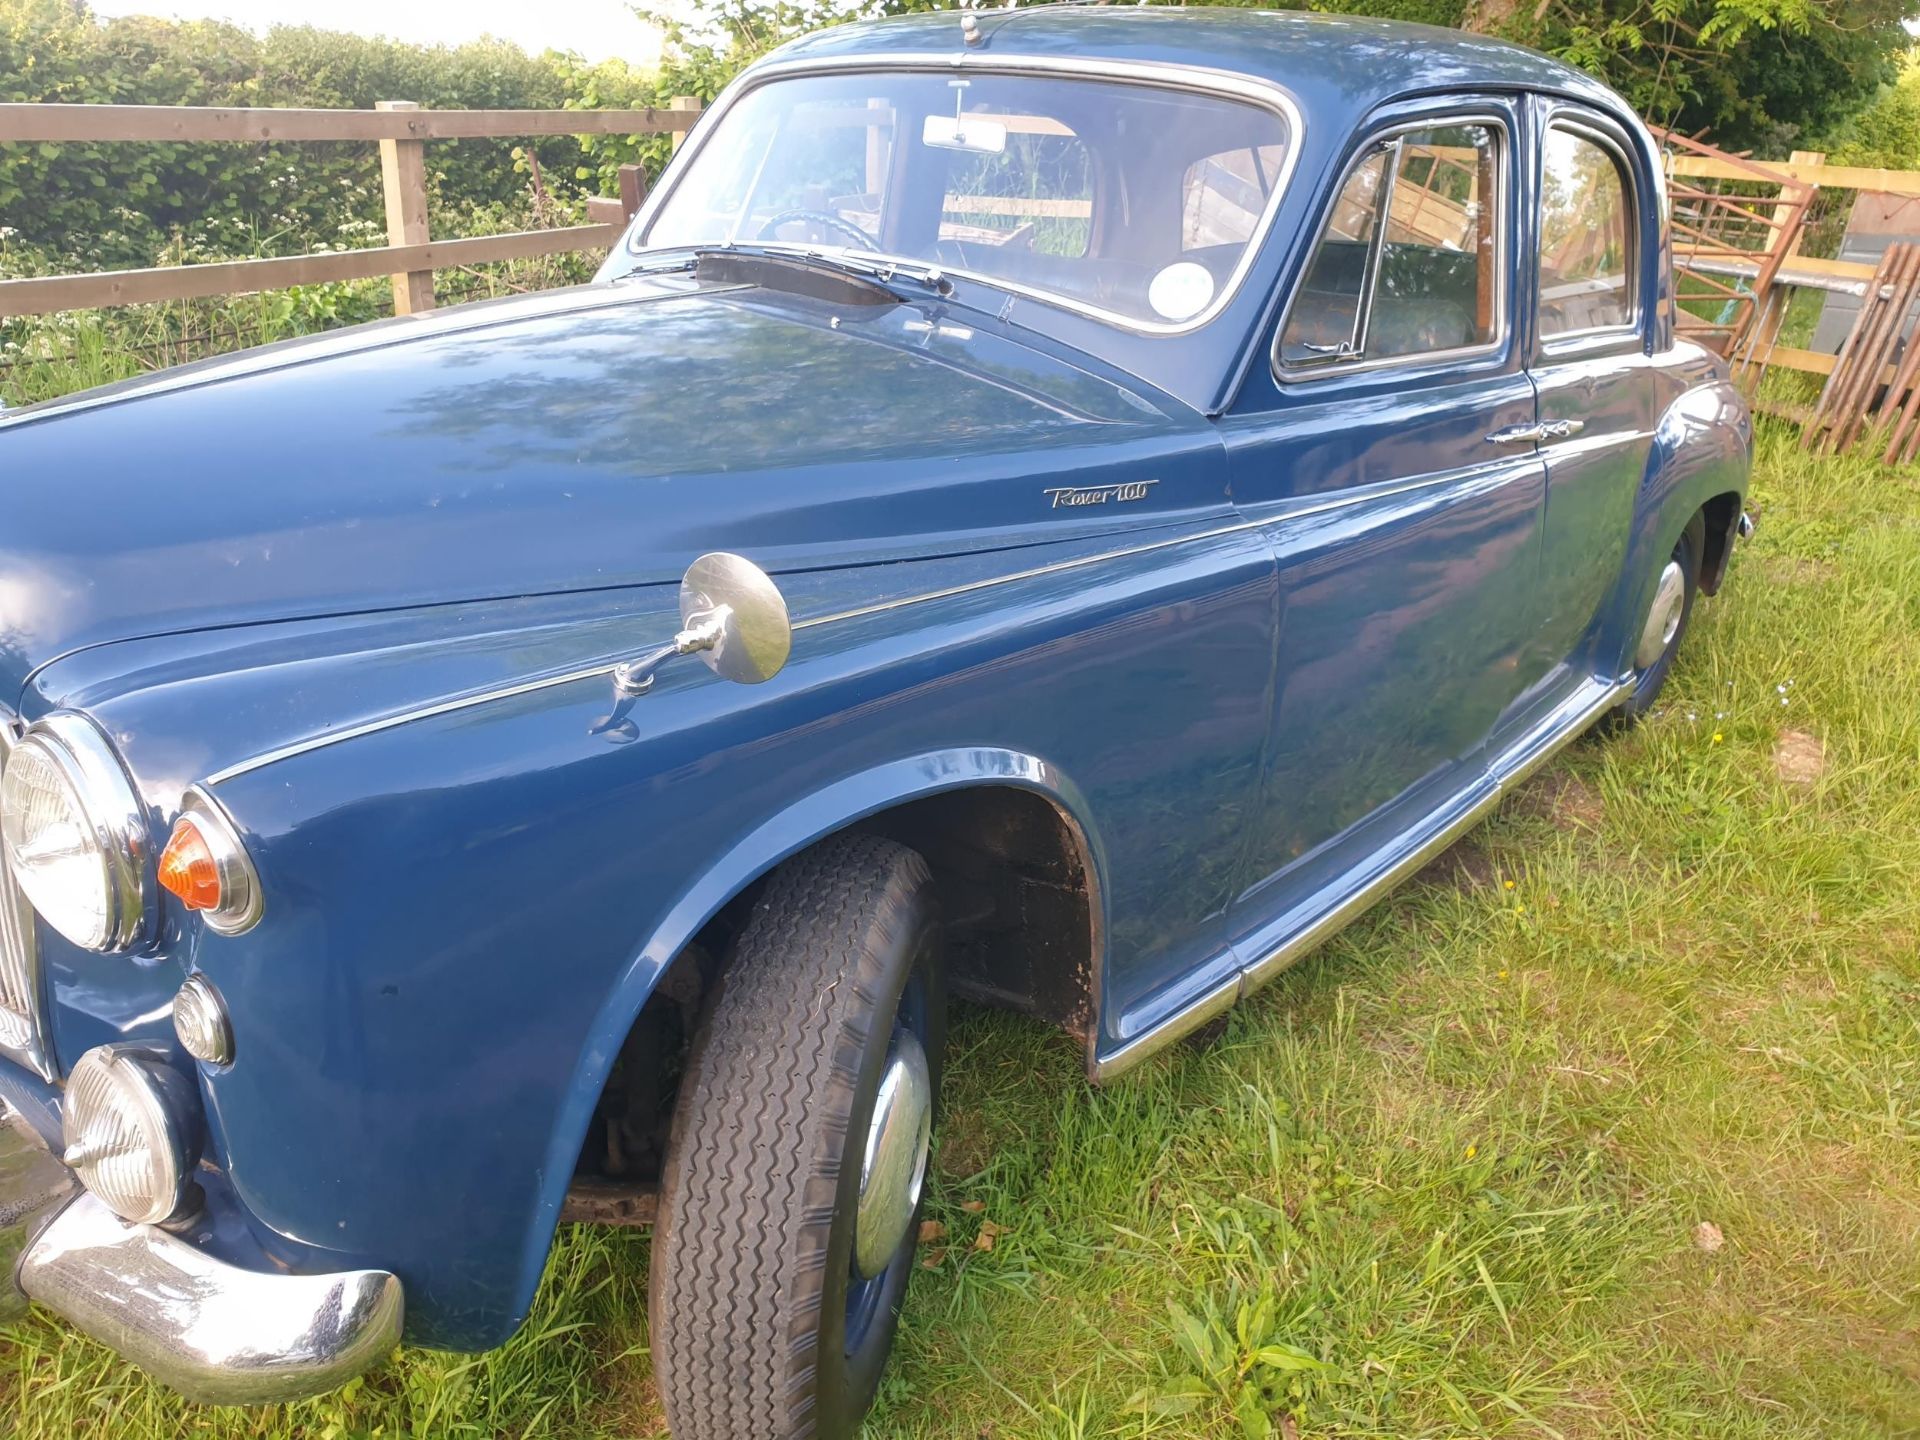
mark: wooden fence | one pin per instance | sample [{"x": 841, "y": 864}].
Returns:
[
  {"x": 402, "y": 130},
  {"x": 410, "y": 257},
  {"x": 1796, "y": 271}
]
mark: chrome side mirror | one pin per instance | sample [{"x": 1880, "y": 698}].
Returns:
[{"x": 732, "y": 616}]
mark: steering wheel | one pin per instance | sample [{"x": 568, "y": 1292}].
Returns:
[{"x": 852, "y": 232}]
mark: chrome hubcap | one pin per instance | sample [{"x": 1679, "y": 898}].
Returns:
[
  {"x": 895, "y": 1165},
  {"x": 1663, "y": 620}
]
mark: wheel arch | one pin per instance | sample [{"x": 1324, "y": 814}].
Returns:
[
  {"x": 1697, "y": 469},
  {"x": 905, "y": 799}
]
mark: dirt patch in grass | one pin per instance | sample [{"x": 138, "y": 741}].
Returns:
[
  {"x": 1562, "y": 799},
  {"x": 1464, "y": 866},
  {"x": 966, "y": 1145},
  {"x": 631, "y": 1406},
  {"x": 1799, "y": 758},
  {"x": 1781, "y": 569}
]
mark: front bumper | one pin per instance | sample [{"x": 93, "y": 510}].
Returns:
[{"x": 210, "y": 1329}]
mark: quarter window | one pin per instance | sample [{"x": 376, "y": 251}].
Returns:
[
  {"x": 1586, "y": 246},
  {"x": 1407, "y": 263}
]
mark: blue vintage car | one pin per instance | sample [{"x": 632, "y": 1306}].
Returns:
[{"x": 1060, "y": 507}]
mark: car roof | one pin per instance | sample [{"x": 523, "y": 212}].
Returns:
[{"x": 1331, "y": 63}]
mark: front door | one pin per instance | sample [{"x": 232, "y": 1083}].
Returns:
[{"x": 1390, "y": 458}]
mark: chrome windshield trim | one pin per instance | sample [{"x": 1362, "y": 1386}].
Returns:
[
  {"x": 603, "y": 669},
  {"x": 1196, "y": 78}
]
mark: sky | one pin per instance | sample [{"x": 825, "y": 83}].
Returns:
[{"x": 597, "y": 29}]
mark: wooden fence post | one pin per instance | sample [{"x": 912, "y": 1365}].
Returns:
[
  {"x": 1766, "y": 333},
  {"x": 633, "y": 189},
  {"x": 683, "y": 102},
  {"x": 403, "y": 175}
]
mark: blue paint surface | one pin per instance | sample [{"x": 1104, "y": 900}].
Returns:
[{"x": 1265, "y": 677}]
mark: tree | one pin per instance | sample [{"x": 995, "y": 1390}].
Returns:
[
  {"x": 1754, "y": 74},
  {"x": 1761, "y": 74},
  {"x": 1887, "y": 132}
]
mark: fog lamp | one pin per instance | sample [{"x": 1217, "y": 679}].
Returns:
[{"x": 132, "y": 1131}]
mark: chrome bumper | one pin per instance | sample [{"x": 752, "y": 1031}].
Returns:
[{"x": 207, "y": 1328}]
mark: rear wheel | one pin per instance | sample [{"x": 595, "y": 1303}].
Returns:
[
  {"x": 791, "y": 1192},
  {"x": 1664, "y": 626}
]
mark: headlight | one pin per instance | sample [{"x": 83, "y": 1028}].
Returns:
[
  {"x": 74, "y": 834},
  {"x": 131, "y": 1131}
]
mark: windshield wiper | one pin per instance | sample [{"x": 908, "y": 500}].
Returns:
[
  {"x": 887, "y": 269},
  {"x": 678, "y": 258}
]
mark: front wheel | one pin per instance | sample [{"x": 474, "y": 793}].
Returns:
[{"x": 791, "y": 1192}]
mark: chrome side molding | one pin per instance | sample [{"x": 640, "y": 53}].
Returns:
[{"x": 1508, "y": 770}]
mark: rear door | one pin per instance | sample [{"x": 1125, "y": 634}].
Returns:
[
  {"x": 1592, "y": 366},
  {"x": 1390, "y": 459}
]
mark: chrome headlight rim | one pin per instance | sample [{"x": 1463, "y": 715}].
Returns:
[{"x": 109, "y": 806}]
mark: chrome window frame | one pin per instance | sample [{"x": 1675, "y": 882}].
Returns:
[
  {"x": 1590, "y": 128},
  {"x": 17, "y": 927},
  {"x": 1298, "y": 374},
  {"x": 1191, "y": 78}
]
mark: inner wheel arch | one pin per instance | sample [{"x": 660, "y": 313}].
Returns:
[{"x": 1718, "y": 522}]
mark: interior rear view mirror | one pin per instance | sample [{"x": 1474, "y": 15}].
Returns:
[{"x": 972, "y": 134}]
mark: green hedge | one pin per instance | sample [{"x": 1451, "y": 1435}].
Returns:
[{"x": 103, "y": 206}]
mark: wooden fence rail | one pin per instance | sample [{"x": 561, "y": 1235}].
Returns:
[
  {"x": 1811, "y": 172},
  {"x": 402, "y": 129}
]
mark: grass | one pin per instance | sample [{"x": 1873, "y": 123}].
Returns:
[{"x": 1607, "y": 1125}]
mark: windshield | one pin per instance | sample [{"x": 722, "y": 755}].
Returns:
[{"x": 1137, "y": 202}]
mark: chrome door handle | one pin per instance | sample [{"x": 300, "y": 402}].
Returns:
[
  {"x": 1518, "y": 435},
  {"x": 1537, "y": 432}
]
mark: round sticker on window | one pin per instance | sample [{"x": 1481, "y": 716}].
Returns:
[{"x": 1181, "y": 291}]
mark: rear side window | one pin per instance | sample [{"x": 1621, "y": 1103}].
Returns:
[
  {"x": 1586, "y": 236},
  {"x": 1223, "y": 196},
  {"x": 1407, "y": 265}
]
